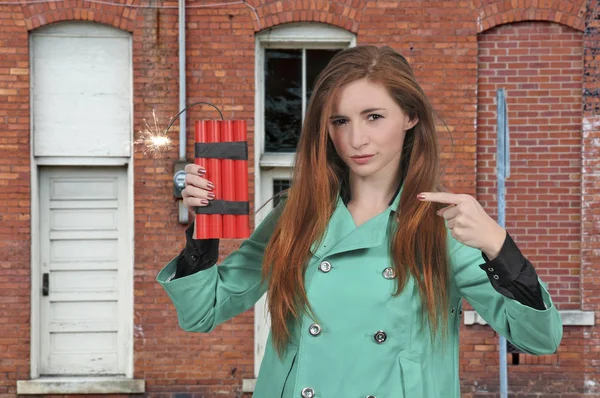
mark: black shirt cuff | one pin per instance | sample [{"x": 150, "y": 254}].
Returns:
[
  {"x": 513, "y": 276},
  {"x": 198, "y": 254}
]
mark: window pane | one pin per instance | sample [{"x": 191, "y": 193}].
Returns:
[
  {"x": 316, "y": 61},
  {"x": 278, "y": 186},
  {"x": 283, "y": 99}
]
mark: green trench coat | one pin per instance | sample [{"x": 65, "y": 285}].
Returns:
[{"x": 364, "y": 342}]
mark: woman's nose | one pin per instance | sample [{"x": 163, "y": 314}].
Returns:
[{"x": 358, "y": 137}]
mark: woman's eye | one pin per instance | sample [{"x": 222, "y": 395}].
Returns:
[
  {"x": 374, "y": 116},
  {"x": 339, "y": 122}
]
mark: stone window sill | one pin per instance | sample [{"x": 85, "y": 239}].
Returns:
[
  {"x": 569, "y": 318},
  {"x": 81, "y": 385}
]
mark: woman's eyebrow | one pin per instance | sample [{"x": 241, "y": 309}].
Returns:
[{"x": 368, "y": 110}]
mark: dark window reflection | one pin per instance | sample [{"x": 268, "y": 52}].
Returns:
[
  {"x": 283, "y": 99},
  {"x": 278, "y": 186},
  {"x": 316, "y": 61}
]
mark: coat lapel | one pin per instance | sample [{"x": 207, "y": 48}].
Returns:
[
  {"x": 342, "y": 235},
  {"x": 340, "y": 225}
]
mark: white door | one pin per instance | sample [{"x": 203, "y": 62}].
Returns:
[{"x": 84, "y": 263}]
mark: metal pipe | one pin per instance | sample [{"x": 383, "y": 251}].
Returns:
[
  {"x": 502, "y": 172},
  {"x": 182, "y": 81},
  {"x": 183, "y": 213}
]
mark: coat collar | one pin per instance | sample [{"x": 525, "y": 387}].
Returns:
[{"x": 342, "y": 235}]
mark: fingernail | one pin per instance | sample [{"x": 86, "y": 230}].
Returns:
[
  {"x": 203, "y": 201},
  {"x": 421, "y": 196},
  {"x": 210, "y": 185},
  {"x": 201, "y": 170},
  {"x": 211, "y": 195}
]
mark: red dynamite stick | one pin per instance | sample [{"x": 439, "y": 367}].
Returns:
[
  {"x": 215, "y": 221},
  {"x": 241, "y": 180},
  {"x": 228, "y": 181},
  {"x": 201, "y": 226}
]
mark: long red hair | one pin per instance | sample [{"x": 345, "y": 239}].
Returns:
[{"x": 418, "y": 247}]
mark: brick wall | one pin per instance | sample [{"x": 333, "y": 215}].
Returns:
[
  {"x": 540, "y": 66},
  {"x": 14, "y": 199},
  {"x": 590, "y": 253},
  {"x": 441, "y": 39}
]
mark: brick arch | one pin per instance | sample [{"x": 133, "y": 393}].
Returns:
[
  {"x": 42, "y": 14},
  {"x": 491, "y": 13},
  {"x": 345, "y": 14}
]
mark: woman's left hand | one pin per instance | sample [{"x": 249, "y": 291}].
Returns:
[{"x": 469, "y": 223}]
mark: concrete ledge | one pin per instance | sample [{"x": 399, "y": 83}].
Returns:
[
  {"x": 81, "y": 385},
  {"x": 248, "y": 385},
  {"x": 569, "y": 318}
]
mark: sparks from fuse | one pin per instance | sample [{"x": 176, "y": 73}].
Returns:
[{"x": 153, "y": 139}]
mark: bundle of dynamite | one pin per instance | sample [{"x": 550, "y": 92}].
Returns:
[{"x": 222, "y": 150}]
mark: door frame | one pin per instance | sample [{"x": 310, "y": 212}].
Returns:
[
  {"x": 36, "y": 283},
  {"x": 127, "y": 294}
]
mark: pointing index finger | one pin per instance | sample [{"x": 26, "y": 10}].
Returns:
[{"x": 441, "y": 197}]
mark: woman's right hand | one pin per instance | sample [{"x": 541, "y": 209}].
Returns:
[{"x": 198, "y": 190}]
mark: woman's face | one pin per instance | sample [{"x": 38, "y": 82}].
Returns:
[{"x": 367, "y": 128}]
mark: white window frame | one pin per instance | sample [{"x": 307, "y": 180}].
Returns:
[{"x": 271, "y": 166}]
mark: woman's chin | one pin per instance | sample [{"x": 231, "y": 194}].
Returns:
[{"x": 362, "y": 171}]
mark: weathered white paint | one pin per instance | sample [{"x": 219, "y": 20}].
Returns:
[
  {"x": 81, "y": 90},
  {"x": 590, "y": 385},
  {"x": 84, "y": 250},
  {"x": 80, "y": 161},
  {"x": 248, "y": 385},
  {"x": 591, "y": 124}
]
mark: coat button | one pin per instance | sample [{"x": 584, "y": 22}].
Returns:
[
  {"x": 325, "y": 266},
  {"x": 314, "y": 329},
  {"x": 194, "y": 257},
  {"x": 370, "y": 396},
  {"x": 380, "y": 337},
  {"x": 491, "y": 269},
  {"x": 496, "y": 277},
  {"x": 452, "y": 311},
  {"x": 389, "y": 273},
  {"x": 308, "y": 392}
]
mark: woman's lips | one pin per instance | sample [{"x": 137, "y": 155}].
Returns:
[{"x": 363, "y": 159}]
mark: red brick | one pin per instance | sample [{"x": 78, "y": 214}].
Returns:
[{"x": 459, "y": 71}]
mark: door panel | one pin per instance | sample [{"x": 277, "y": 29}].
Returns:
[{"x": 83, "y": 252}]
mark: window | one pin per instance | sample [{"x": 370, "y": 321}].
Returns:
[
  {"x": 288, "y": 61},
  {"x": 279, "y": 186},
  {"x": 289, "y": 78}
]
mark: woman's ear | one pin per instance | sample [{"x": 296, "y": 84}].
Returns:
[{"x": 412, "y": 123}]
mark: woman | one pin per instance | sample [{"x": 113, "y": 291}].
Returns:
[{"x": 366, "y": 261}]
